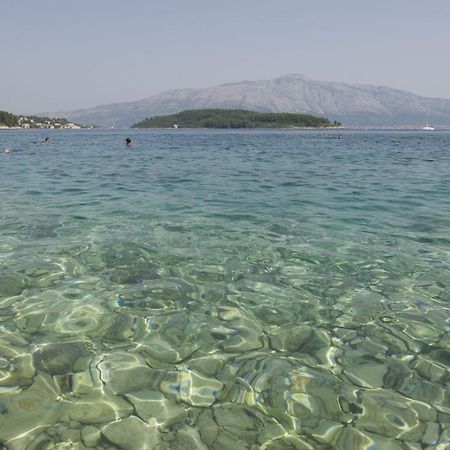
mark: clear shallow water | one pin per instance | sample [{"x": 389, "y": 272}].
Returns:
[{"x": 206, "y": 289}]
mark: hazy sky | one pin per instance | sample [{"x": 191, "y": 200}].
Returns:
[{"x": 61, "y": 55}]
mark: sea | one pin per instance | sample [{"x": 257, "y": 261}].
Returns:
[{"x": 224, "y": 289}]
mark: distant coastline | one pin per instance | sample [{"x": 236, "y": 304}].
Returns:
[
  {"x": 9, "y": 121},
  {"x": 235, "y": 118}
]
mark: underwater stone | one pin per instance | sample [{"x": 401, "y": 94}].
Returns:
[
  {"x": 312, "y": 395},
  {"x": 173, "y": 338},
  {"x": 126, "y": 372},
  {"x": 444, "y": 438},
  {"x": 431, "y": 435},
  {"x": 12, "y": 285},
  {"x": 116, "y": 327},
  {"x": 90, "y": 436},
  {"x": 4, "y": 363},
  {"x": 271, "y": 430},
  {"x": 154, "y": 408},
  {"x": 225, "y": 440},
  {"x": 19, "y": 371},
  {"x": 390, "y": 415},
  {"x": 131, "y": 379},
  {"x": 207, "y": 365},
  {"x": 290, "y": 442},
  {"x": 82, "y": 382},
  {"x": 271, "y": 316},
  {"x": 429, "y": 369},
  {"x": 368, "y": 375},
  {"x": 13, "y": 339},
  {"x": 441, "y": 356},
  {"x": 166, "y": 352},
  {"x": 326, "y": 432},
  {"x": 97, "y": 408},
  {"x": 208, "y": 427},
  {"x": 62, "y": 358},
  {"x": 302, "y": 339},
  {"x": 40, "y": 442},
  {"x": 187, "y": 438},
  {"x": 385, "y": 443},
  {"x": 248, "y": 336},
  {"x": 131, "y": 434},
  {"x": 70, "y": 435},
  {"x": 30, "y": 323},
  {"x": 229, "y": 313},
  {"x": 397, "y": 373},
  {"x": 382, "y": 336},
  {"x": 237, "y": 421},
  {"x": 351, "y": 438},
  {"x": 424, "y": 391},
  {"x": 30, "y": 411},
  {"x": 290, "y": 339},
  {"x": 414, "y": 446},
  {"x": 198, "y": 390}
]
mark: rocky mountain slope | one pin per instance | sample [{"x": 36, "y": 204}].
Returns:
[{"x": 350, "y": 104}]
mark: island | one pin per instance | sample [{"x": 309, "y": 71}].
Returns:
[
  {"x": 12, "y": 121},
  {"x": 235, "y": 118}
]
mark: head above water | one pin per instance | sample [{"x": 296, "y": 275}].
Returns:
[{"x": 128, "y": 141}]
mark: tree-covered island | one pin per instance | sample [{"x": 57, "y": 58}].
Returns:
[{"x": 235, "y": 118}]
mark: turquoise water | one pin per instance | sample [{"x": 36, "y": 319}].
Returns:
[{"x": 224, "y": 290}]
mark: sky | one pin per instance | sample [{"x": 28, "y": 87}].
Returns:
[{"x": 59, "y": 55}]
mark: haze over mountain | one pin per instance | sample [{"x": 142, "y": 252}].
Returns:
[{"x": 350, "y": 104}]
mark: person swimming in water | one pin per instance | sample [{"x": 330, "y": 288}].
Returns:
[
  {"x": 46, "y": 139},
  {"x": 128, "y": 142}
]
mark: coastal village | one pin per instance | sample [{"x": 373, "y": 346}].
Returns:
[
  {"x": 10, "y": 121},
  {"x": 28, "y": 122}
]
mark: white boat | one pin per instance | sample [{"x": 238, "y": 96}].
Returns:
[{"x": 428, "y": 126}]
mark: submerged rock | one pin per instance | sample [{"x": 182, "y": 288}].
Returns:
[
  {"x": 188, "y": 438},
  {"x": 17, "y": 370},
  {"x": 392, "y": 416},
  {"x": 132, "y": 434},
  {"x": 90, "y": 436},
  {"x": 98, "y": 408},
  {"x": 12, "y": 285},
  {"x": 207, "y": 365},
  {"x": 125, "y": 372},
  {"x": 26, "y": 413},
  {"x": 198, "y": 390},
  {"x": 243, "y": 335},
  {"x": 173, "y": 338},
  {"x": 154, "y": 408},
  {"x": 62, "y": 358}
]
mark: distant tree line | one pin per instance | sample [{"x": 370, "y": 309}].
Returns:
[
  {"x": 8, "y": 119},
  {"x": 235, "y": 118}
]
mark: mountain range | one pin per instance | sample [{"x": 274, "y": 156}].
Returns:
[{"x": 354, "y": 105}]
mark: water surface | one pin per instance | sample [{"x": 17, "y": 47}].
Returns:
[{"x": 224, "y": 289}]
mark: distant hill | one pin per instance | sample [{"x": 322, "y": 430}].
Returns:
[
  {"x": 235, "y": 118},
  {"x": 351, "y": 104}
]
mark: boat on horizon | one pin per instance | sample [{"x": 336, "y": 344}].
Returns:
[{"x": 428, "y": 126}]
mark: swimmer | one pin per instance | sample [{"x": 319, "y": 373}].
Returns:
[
  {"x": 128, "y": 142},
  {"x": 8, "y": 151},
  {"x": 46, "y": 139}
]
